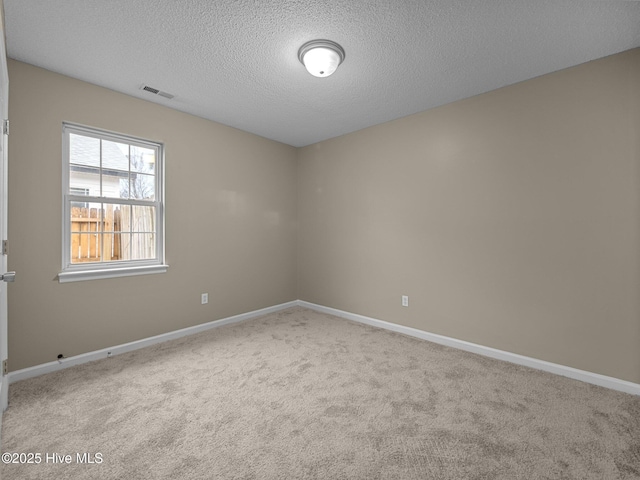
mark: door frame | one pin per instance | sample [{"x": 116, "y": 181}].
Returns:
[{"x": 4, "y": 139}]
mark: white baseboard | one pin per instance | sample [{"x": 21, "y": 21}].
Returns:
[
  {"x": 574, "y": 373},
  {"x": 145, "y": 342}
]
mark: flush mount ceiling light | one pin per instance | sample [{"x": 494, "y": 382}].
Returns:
[{"x": 321, "y": 57}]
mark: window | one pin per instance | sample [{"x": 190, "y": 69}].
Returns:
[{"x": 113, "y": 205}]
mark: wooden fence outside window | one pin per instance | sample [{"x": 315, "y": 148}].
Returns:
[{"x": 95, "y": 233}]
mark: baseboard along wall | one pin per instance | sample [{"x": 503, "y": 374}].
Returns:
[
  {"x": 574, "y": 373},
  {"x": 50, "y": 367}
]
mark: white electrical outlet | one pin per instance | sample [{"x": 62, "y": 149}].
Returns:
[
  {"x": 204, "y": 298},
  {"x": 405, "y": 300}
]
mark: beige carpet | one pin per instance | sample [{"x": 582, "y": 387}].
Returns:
[{"x": 299, "y": 394}]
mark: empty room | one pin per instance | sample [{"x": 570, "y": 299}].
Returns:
[{"x": 348, "y": 239}]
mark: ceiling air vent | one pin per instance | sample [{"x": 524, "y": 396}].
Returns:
[{"x": 155, "y": 91}]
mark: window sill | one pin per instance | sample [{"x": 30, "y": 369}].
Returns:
[{"x": 81, "y": 275}]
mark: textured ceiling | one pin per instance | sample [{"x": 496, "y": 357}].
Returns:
[{"x": 236, "y": 62}]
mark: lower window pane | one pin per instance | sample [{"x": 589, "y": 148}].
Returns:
[
  {"x": 138, "y": 246},
  {"x": 112, "y": 250},
  {"x": 103, "y": 233},
  {"x": 117, "y": 218},
  {"x": 85, "y": 247},
  {"x": 143, "y": 219},
  {"x": 85, "y": 217}
]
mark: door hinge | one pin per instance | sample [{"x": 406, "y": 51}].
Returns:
[
  {"x": 5, "y": 247},
  {"x": 5, "y": 126},
  {"x": 5, "y": 366}
]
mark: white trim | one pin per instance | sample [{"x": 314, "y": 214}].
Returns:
[
  {"x": 76, "y": 276},
  {"x": 574, "y": 373},
  {"x": 128, "y": 347},
  {"x": 4, "y": 175}
]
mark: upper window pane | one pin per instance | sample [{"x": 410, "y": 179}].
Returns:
[
  {"x": 115, "y": 156},
  {"x": 84, "y": 150},
  {"x": 106, "y": 168},
  {"x": 139, "y": 186},
  {"x": 143, "y": 160},
  {"x": 84, "y": 179}
]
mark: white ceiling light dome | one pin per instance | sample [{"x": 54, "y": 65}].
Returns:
[{"x": 321, "y": 57}]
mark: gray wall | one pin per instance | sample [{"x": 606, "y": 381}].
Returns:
[{"x": 511, "y": 219}]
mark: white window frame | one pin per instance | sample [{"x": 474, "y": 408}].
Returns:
[{"x": 72, "y": 272}]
